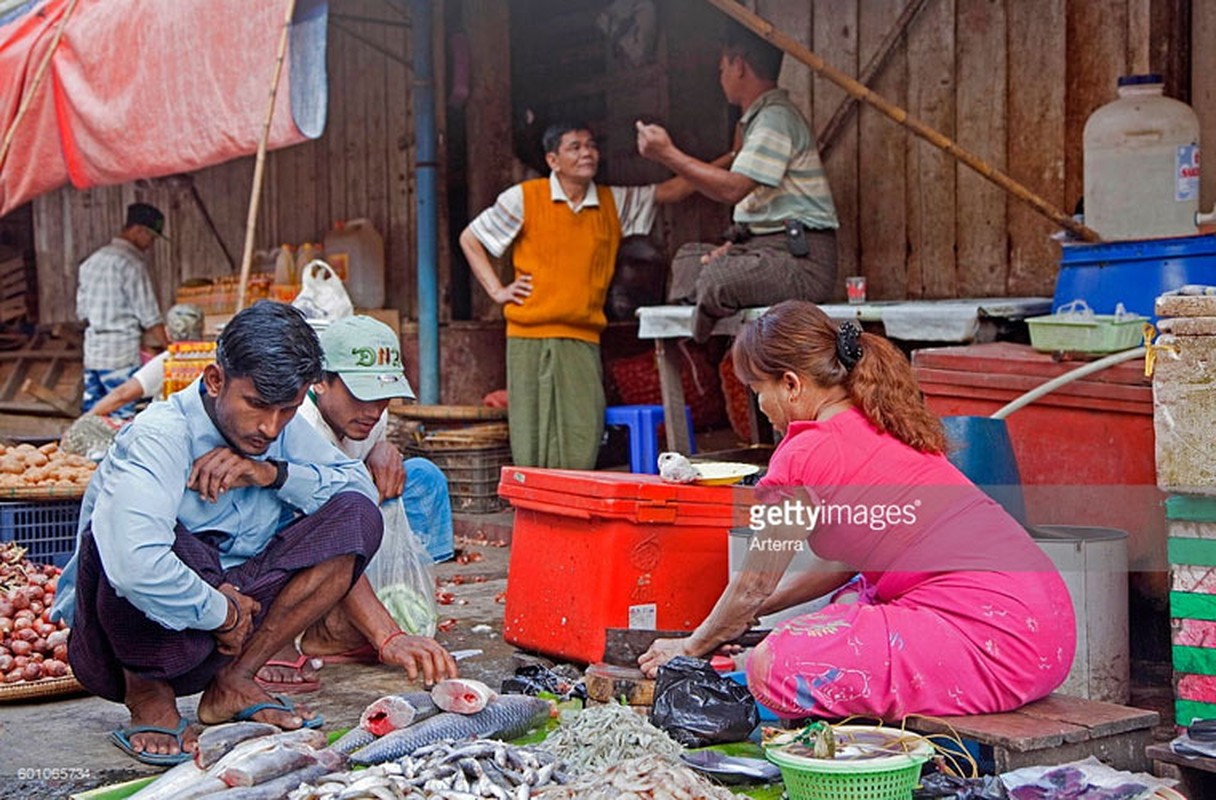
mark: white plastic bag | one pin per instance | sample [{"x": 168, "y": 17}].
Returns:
[
  {"x": 401, "y": 574},
  {"x": 322, "y": 295}
]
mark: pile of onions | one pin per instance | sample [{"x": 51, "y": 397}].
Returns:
[{"x": 31, "y": 646}]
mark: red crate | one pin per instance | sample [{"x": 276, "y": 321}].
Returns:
[{"x": 597, "y": 550}]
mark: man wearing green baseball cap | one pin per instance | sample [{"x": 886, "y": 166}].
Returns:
[{"x": 362, "y": 373}]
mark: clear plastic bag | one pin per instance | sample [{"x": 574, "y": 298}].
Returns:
[
  {"x": 401, "y": 575},
  {"x": 322, "y": 296}
]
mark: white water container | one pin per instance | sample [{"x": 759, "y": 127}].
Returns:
[
  {"x": 1142, "y": 164},
  {"x": 355, "y": 250}
]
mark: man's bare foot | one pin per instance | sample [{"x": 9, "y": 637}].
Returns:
[
  {"x": 153, "y": 703},
  {"x": 289, "y": 668},
  {"x": 231, "y": 693},
  {"x": 332, "y": 635}
]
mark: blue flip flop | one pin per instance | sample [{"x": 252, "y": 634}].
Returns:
[
  {"x": 121, "y": 738},
  {"x": 280, "y": 703}
]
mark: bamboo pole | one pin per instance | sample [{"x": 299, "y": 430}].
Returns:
[
  {"x": 827, "y": 139},
  {"x": 27, "y": 98},
  {"x": 764, "y": 28},
  {"x": 259, "y": 166}
]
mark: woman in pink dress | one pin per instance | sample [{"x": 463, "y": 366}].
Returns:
[{"x": 943, "y": 604}]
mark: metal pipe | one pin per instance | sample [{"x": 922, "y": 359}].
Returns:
[{"x": 426, "y": 201}]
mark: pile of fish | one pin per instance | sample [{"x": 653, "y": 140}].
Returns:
[
  {"x": 600, "y": 736},
  {"x": 647, "y": 778},
  {"x": 398, "y": 725},
  {"x": 458, "y": 770},
  {"x": 246, "y": 761}
]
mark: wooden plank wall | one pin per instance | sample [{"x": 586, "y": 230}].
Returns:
[
  {"x": 1012, "y": 81},
  {"x": 360, "y": 167}
]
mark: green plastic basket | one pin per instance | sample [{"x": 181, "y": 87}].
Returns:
[
  {"x": 883, "y": 778},
  {"x": 1075, "y": 328}
]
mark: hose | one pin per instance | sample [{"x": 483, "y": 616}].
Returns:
[{"x": 1068, "y": 377}]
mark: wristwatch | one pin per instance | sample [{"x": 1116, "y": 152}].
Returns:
[{"x": 280, "y": 475}]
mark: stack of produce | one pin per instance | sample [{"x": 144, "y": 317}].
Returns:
[
  {"x": 31, "y": 646},
  {"x": 26, "y": 466}
]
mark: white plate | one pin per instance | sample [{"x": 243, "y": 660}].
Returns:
[{"x": 723, "y": 473}]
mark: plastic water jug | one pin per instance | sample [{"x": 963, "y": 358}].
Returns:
[
  {"x": 286, "y": 276},
  {"x": 356, "y": 249},
  {"x": 1142, "y": 164},
  {"x": 307, "y": 253}
]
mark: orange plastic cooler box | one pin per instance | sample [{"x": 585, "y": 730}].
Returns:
[{"x": 596, "y": 550}]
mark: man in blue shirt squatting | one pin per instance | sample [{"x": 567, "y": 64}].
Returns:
[{"x": 218, "y": 528}]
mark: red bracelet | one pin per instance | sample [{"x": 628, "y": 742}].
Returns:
[{"x": 384, "y": 644}]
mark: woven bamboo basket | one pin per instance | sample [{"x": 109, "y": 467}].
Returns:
[
  {"x": 34, "y": 690},
  {"x": 447, "y": 414},
  {"x": 42, "y": 493}
]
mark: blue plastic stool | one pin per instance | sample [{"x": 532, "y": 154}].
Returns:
[{"x": 643, "y": 423}]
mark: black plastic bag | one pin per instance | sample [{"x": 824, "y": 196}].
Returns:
[
  {"x": 533, "y": 679},
  {"x": 698, "y": 707}
]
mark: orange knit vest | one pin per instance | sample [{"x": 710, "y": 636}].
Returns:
[{"x": 571, "y": 258}]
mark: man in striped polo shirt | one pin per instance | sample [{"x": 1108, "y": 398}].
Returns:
[{"x": 783, "y": 243}]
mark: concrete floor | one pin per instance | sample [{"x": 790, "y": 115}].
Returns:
[{"x": 65, "y": 739}]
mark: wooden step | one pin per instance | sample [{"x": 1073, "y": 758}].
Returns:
[
  {"x": 1055, "y": 730},
  {"x": 1196, "y": 775}
]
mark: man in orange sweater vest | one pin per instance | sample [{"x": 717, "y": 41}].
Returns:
[{"x": 565, "y": 231}]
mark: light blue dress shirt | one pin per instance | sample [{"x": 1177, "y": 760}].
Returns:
[{"x": 138, "y": 495}]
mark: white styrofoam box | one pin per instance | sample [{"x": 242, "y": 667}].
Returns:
[{"x": 1184, "y": 414}]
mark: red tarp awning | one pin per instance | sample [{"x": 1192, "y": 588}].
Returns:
[{"x": 138, "y": 89}]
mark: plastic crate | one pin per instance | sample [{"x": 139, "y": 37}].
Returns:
[
  {"x": 472, "y": 472},
  {"x": 1075, "y": 328},
  {"x": 47, "y": 529}
]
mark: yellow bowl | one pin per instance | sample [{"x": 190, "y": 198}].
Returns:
[{"x": 723, "y": 473}]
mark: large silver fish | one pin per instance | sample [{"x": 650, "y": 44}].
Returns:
[
  {"x": 275, "y": 789},
  {"x": 266, "y": 765},
  {"x": 188, "y": 781},
  {"x": 216, "y": 740},
  {"x": 362, "y": 734},
  {"x": 507, "y": 717}
]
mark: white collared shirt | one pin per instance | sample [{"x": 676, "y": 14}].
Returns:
[{"x": 498, "y": 225}]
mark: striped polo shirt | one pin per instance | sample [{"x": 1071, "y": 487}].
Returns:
[{"x": 780, "y": 154}]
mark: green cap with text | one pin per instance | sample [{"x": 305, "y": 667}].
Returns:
[{"x": 366, "y": 353}]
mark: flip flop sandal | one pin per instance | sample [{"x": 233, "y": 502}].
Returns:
[
  {"x": 280, "y": 703},
  {"x": 121, "y": 738},
  {"x": 289, "y": 687}
]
